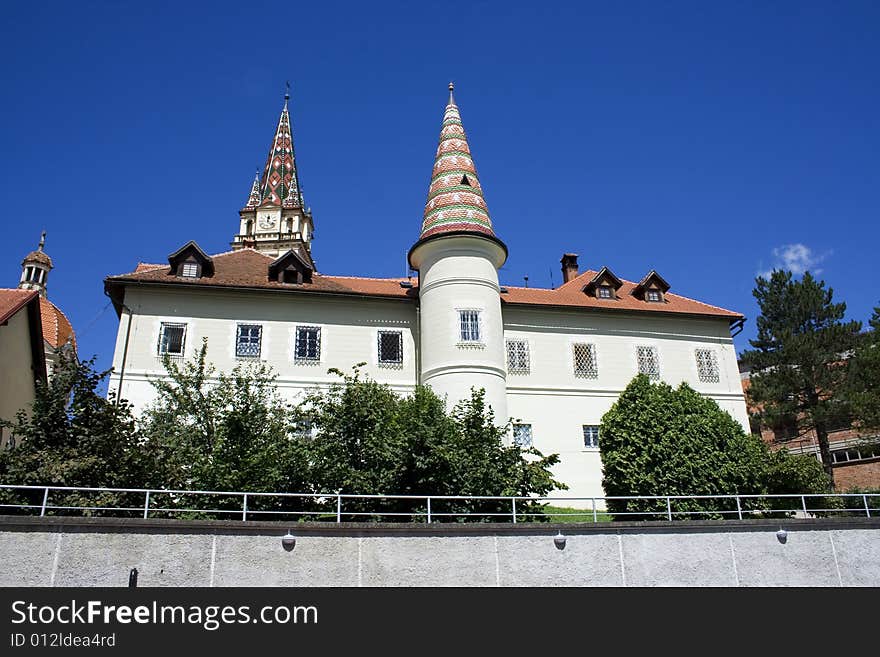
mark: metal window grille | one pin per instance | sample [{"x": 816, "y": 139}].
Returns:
[
  {"x": 470, "y": 325},
  {"x": 247, "y": 341},
  {"x": 522, "y": 435},
  {"x": 585, "y": 362},
  {"x": 308, "y": 343},
  {"x": 171, "y": 339},
  {"x": 303, "y": 429},
  {"x": 707, "y": 366},
  {"x": 518, "y": 357},
  {"x": 390, "y": 347},
  {"x": 591, "y": 435},
  {"x": 649, "y": 361},
  {"x": 190, "y": 269}
]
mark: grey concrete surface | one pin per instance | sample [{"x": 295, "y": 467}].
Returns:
[{"x": 101, "y": 551}]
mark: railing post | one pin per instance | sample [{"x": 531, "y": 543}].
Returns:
[
  {"x": 429, "y": 510},
  {"x": 147, "y": 505},
  {"x": 338, "y": 507},
  {"x": 668, "y": 508},
  {"x": 804, "y": 505},
  {"x": 739, "y": 511},
  {"x": 513, "y": 500},
  {"x": 45, "y": 499},
  {"x": 244, "y": 508},
  {"x": 867, "y": 508},
  {"x": 595, "y": 517}
]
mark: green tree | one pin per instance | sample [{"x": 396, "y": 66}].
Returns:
[
  {"x": 367, "y": 440},
  {"x": 73, "y": 436},
  {"x": 800, "y": 361},
  {"x": 864, "y": 377},
  {"x": 658, "y": 440},
  {"x": 226, "y": 432}
]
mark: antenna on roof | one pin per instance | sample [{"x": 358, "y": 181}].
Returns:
[
  {"x": 526, "y": 279},
  {"x": 551, "y": 277}
]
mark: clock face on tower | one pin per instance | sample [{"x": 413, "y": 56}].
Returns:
[{"x": 267, "y": 221}]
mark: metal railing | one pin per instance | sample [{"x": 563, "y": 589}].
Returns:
[{"x": 426, "y": 508}]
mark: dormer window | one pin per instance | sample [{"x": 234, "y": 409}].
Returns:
[
  {"x": 190, "y": 261},
  {"x": 291, "y": 268},
  {"x": 603, "y": 285},
  {"x": 652, "y": 288}
]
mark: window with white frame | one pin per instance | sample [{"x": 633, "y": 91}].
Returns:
[
  {"x": 307, "y": 346},
  {"x": 172, "y": 337},
  {"x": 390, "y": 345},
  {"x": 518, "y": 357},
  {"x": 522, "y": 435},
  {"x": 653, "y": 295},
  {"x": 469, "y": 325},
  {"x": 248, "y": 339},
  {"x": 190, "y": 270},
  {"x": 585, "y": 362},
  {"x": 649, "y": 361},
  {"x": 591, "y": 435},
  {"x": 707, "y": 365}
]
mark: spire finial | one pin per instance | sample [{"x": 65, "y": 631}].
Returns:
[
  {"x": 42, "y": 241},
  {"x": 451, "y": 99},
  {"x": 286, "y": 93}
]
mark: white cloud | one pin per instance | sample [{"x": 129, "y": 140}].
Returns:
[{"x": 796, "y": 258}]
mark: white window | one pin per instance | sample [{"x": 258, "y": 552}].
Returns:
[
  {"x": 247, "y": 340},
  {"x": 390, "y": 344},
  {"x": 585, "y": 362},
  {"x": 171, "y": 339},
  {"x": 308, "y": 343},
  {"x": 591, "y": 435},
  {"x": 653, "y": 295},
  {"x": 517, "y": 357},
  {"x": 605, "y": 292},
  {"x": 469, "y": 323},
  {"x": 707, "y": 366},
  {"x": 190, "y": 270},
  {"x": 522, "y": 435},
  {"x": 649, "y": 361}
]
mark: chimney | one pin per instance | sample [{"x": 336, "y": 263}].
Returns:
[{"x": 569, "y": 266}]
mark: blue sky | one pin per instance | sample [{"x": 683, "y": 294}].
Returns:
[{"x": 708, "y": 141}]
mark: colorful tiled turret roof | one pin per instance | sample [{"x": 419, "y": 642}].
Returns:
[
  {"x": 279, "y": 184},
  {"x": 455, "y": 197}
]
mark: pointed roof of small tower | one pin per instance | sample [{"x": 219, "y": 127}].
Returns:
[
  {"x": 455, "y": 196},
  {"x": 254, "y": 197},
  {"x": 279, "y": 185}
]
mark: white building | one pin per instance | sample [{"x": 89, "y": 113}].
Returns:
[{"x": 553, "y": 359}]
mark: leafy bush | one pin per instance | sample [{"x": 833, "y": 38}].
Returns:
[{"x": 658, "y": 440}]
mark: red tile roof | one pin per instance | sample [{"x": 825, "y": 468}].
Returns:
[
  {"x": 56, "y": 327},
  {"x": 248, "y": 268},
  {"x": 11, "y": 301}
]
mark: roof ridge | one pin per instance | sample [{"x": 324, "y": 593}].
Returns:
[{"x": 364, "y": 278}]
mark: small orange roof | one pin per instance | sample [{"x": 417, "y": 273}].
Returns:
[
  {"x": 56, "y": 327},
  {"x": 11, "y": 301}
]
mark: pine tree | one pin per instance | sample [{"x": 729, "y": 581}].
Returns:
[
  {"x": 801, "y": 358},
  {"x": 864, "y": 379}
]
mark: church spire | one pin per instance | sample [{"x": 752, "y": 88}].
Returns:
[
  {"x": 279, "y": 186},
  {"x": 455, "y": 197}
]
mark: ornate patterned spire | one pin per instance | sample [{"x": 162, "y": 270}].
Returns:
[
  {"x": 254, "y": 198},
  {"x": 280, "y": 182},
  {"x": 455, "y": 197}
]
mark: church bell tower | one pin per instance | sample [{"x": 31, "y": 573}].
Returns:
[{"x": 275, "y": 218}]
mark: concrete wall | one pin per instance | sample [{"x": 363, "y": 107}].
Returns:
[{"x": 100, "y": 552}]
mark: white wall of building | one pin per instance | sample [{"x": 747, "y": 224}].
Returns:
[
  {"x": 349, "y": 334},
  {"x": 550, "y": 397},
  {"x": 557, "y": 403}
]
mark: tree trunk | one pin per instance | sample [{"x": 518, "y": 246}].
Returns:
[{"x": 825, "y": 451}]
